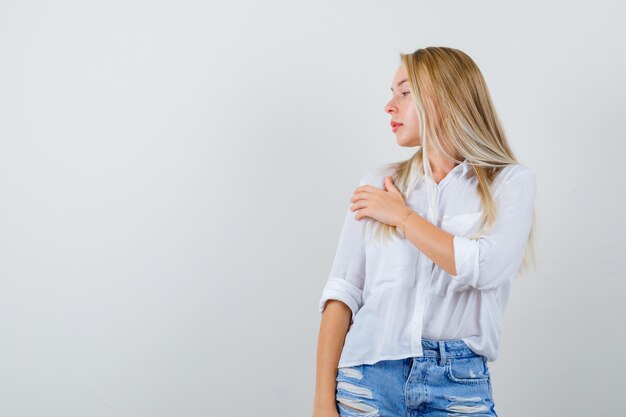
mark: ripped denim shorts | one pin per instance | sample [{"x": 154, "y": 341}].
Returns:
[{"x": 448, "y": 380}]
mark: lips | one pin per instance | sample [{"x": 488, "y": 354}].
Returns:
[{"x": 395, "y": 125}]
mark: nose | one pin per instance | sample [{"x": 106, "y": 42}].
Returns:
[{"x": 390, "y": 107}]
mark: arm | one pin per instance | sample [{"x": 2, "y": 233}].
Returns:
[
  {"x": 333, "y": 329},
  {"x": 496, "y": 256},
  {"x": 340, "y": 301},
  {"x": 431, "y": 240},
  {"x": 347, "y": 275}
]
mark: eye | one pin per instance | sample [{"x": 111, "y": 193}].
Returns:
[{"x": 405, "y": 93}]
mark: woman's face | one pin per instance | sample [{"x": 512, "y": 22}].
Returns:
[{"x": 402, "y": 112}]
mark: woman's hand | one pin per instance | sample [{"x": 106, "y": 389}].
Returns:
[{"x": 386, "y": 205}]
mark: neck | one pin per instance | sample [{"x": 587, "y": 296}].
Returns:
[{"x": 440, "y": 165}]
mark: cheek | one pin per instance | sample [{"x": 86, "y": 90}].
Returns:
[{"x": 411, "y": 118}]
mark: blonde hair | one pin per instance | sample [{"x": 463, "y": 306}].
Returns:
[{"x": 446, "y": 83}]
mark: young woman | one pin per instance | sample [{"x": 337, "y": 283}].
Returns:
[{"x": 412, "y": 309}]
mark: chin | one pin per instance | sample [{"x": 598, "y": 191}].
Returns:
[{"x": 407, "y": 143}]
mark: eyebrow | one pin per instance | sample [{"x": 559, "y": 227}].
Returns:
[{"x": 399, "y": 83}]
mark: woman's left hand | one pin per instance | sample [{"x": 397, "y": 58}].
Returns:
[{"x": 386, "y": 205}]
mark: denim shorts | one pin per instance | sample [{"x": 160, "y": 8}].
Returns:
[{"x": 449, "y": 380}]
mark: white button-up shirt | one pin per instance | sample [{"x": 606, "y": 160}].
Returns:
[{"x": 398, "y": 295}]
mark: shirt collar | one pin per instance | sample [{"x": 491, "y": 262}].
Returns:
[
  {"x": 461, "y": 169},
  {"x": 464, "y": 166}
]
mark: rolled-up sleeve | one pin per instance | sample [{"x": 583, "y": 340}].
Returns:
[
  {"x": 347, "y": 276},
  {"x": 496, "y": 257}
]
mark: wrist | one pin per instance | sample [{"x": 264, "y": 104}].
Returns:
[
  {"x": 402, "y": 215},
  {"x": 401, "y": 224}
]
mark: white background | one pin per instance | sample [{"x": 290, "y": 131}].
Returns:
[{"x": 174, "y": 176}]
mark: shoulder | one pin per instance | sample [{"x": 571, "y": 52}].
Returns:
[
  {"x": 376, "y": 175},
  {"x": 516, "y": 178},
  {"x": 518, "y": 172}
]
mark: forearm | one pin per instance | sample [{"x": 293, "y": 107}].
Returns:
[
  {"x": 435, "y": 243},
  {"x": 333, "y": 329}
]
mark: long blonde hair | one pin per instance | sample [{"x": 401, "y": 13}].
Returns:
[{"x": 446, "y": 82}]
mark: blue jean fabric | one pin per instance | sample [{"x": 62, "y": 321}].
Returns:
[{"x": 449, "y": 380}]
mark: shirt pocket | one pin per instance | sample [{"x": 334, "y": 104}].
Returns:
[
  {"x": 461, "y": 224},
  {"x": 395, "y": 264}
]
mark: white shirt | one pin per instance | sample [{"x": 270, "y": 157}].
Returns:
[{"x": 398, "y": 295}]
